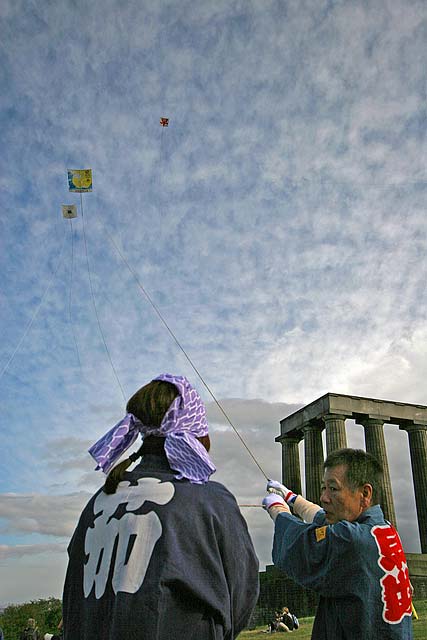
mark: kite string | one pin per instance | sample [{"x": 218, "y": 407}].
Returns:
[
  {"x": 70, "y": 296},
  {"x": 34, "y": 315},
  {"x": 259, "y": 506},
  {"x": 161, "y": 172},
  {"x": 156, "y": 309},
  {"x": 94, "y": 303}
]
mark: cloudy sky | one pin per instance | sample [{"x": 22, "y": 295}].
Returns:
[{"x": 278, "y": 224}]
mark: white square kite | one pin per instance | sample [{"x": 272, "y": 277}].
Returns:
[{"x": 69, "y": 211}]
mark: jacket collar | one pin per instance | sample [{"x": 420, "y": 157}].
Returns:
[{"x": 374, "y": 514}]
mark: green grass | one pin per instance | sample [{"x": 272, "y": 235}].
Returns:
[
  {"x": 306, "y": 625},
  {"x": 304, "y": 631},
  {"x": 420, "y": 625}
]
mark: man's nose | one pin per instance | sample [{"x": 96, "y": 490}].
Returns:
[{"x": 324, "y": 496}]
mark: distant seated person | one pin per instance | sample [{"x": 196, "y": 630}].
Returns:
[
  {"x": 274, "y": 624},
  {"x": 288, "y": 621},
  {"x": 31, "y": 631}
]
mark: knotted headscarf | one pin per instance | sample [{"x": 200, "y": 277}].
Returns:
[{"x": 182, "y": 424}]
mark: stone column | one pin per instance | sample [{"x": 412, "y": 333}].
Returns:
[
  {"x": 313, "y": 453},
  {"x": 417, "y": 434},
  {"x": 291, "y": 472},
  {"x": 336, "y": 437},
  {"x": 375, "y": 444}
]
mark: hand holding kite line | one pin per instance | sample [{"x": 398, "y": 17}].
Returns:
[
  {"x": 274, "y": 504},
  {"x": 301, "y": 507},
  {"x": 278, "y": 490},
  {"x": 273, "y": 486}
]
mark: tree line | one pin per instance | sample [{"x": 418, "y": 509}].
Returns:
[{"x": 47, "y": 614}]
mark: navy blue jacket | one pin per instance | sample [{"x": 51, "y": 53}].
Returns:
[
  {"x": 358, "y": 568},
  {"x": 159, "y": 559}
]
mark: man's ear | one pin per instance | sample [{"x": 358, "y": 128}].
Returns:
[{"x": 366, "y": 498}]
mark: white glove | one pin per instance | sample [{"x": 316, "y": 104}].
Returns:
[
  {"x": 273, "y": 500},
  {"x": 274, "y": 504},
  {"x": 273, "y": 486}
]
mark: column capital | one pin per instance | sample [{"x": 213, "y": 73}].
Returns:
[
  {"x": 294, "y": 437},
  {"x": 366, "y": 421},
  {"x": 312, "y": 426},
  {"x": 291, "y": 438},
  {"x": 334, "y": 416},
  {"x": 413, "y": 427}
]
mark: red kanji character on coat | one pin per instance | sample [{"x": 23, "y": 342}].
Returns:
[{"x": 396, "y": 587}]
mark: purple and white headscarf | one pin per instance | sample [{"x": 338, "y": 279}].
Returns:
[{"x": 182, "y": 424}]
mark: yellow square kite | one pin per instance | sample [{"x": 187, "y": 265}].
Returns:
[{"x": 80, "y": 180}]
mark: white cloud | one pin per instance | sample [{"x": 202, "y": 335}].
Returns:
[
  {"x": 22, "y": 550},
  {"x": 41, "y": 514}
]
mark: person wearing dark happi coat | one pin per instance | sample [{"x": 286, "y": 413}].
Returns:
[
  {"x": 346, "y": 552},
  {"x": 160, "y": 552}
]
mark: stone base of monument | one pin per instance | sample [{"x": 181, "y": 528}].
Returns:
[{"x": 417, "y": 565}]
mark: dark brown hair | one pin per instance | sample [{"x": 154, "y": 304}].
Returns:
[{"x": 149, "y": 404}]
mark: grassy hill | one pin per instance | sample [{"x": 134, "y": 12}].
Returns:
[{"x": 306, "y": 625}]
